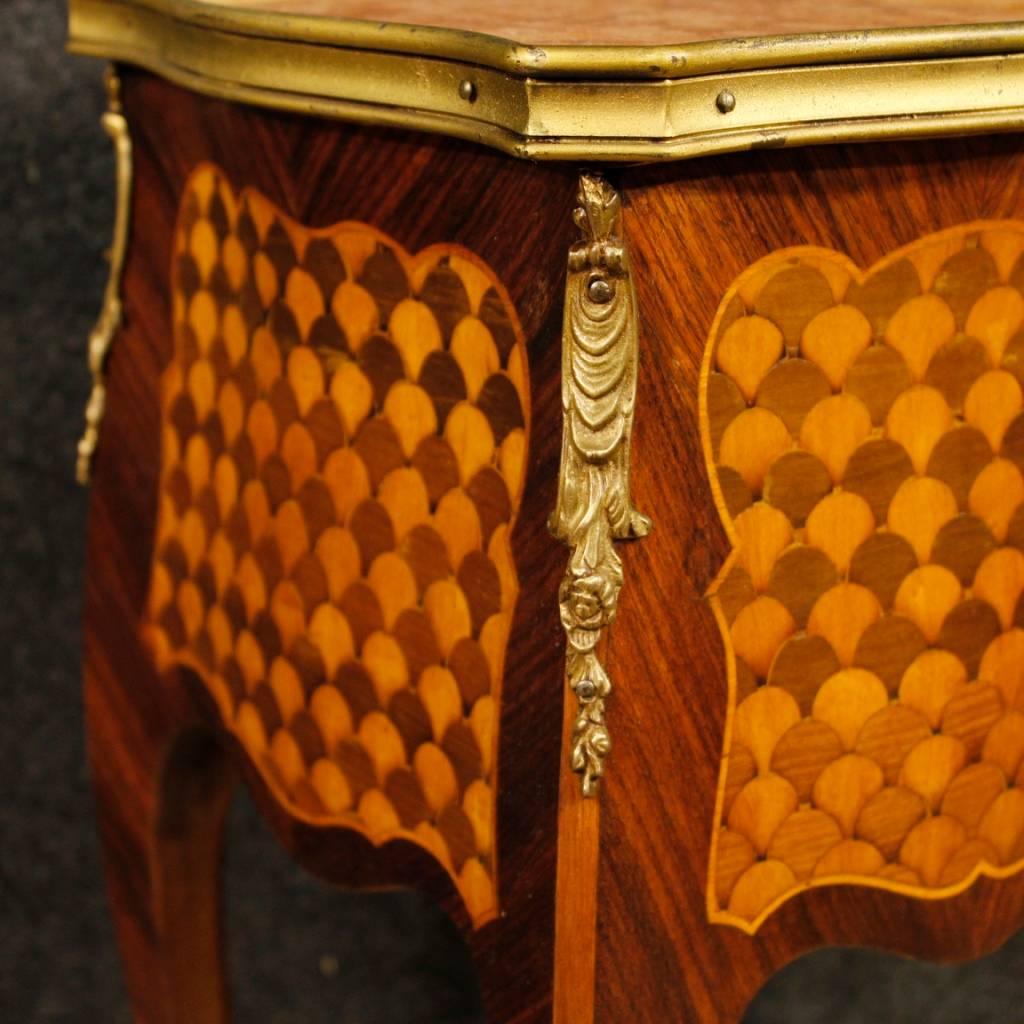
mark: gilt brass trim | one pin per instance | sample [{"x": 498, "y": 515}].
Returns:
[
  {"x": 606, "y": 103},
  {"x": 590, "y": 61},
  {"x": 599, "y": 367},
  {"x": 102, "y": 335}
]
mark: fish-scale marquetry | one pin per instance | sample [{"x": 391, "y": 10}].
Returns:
[
  {"x": 344, "y": 440},
  {"x": 866, "y": 438}
]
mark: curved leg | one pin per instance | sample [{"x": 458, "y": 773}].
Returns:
[
  {"x": 161, "y": 802},
  {"x": 186, "y": 865}
]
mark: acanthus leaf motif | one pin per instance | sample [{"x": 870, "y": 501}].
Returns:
[{"x": 599, "y": 367}]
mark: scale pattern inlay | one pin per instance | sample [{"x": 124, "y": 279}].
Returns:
[
  {"x": 344, "y": 442},
  {"x": 866, "y": 439}
]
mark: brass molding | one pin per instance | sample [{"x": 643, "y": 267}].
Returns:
[
  {"x": 102, "y": 335},
  {"x": 599, "y": 367},
  {"x": 605, "y": 103}
]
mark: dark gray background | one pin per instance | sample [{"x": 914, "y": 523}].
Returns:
[{"x": 299, "y": 952}]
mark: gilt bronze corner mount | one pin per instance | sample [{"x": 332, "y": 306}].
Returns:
[
  {"x": 599, "y": 367},
  {"x": 102, "y": 335}
]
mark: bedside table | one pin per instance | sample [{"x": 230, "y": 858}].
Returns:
[{"x": 551, "y": 476}]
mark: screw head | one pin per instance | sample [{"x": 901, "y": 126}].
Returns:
[
  {"x": 467, "y": 91},
  {"x": 585, "y": 689},
  {"x": 599, "y": 290},
  {"x": 725, "y": 101}
]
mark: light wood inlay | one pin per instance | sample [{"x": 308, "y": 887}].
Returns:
[
  {"x": 866, "y": 439},
  {"x": 344, "y": 439}
]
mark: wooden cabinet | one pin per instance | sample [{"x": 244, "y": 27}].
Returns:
[{"x": 554, "y": 478}]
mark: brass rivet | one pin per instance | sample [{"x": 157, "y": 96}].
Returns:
[
  {"x": 725, "y": 101},
  {"x": 585, "y": 689},
  {"x": 600, "y": 291},
  {"x": 467, "y": 90}
]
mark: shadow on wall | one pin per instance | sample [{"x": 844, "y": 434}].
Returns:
[
  {"x": 859, "y": 986},
  {"x": 301, "y": 952}
]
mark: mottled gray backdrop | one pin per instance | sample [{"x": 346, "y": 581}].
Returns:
[{"x": 299, "y": 952}]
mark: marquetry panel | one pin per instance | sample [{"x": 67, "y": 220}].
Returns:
[
  {"x": 866, "y": 439},
  {"x": 344, "y": 439}
]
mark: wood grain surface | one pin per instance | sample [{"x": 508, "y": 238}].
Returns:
[
  {"x": 648, "y": 22},
  {"x": 156, "y": 748},
  {"x": 693, "y": 230}
]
